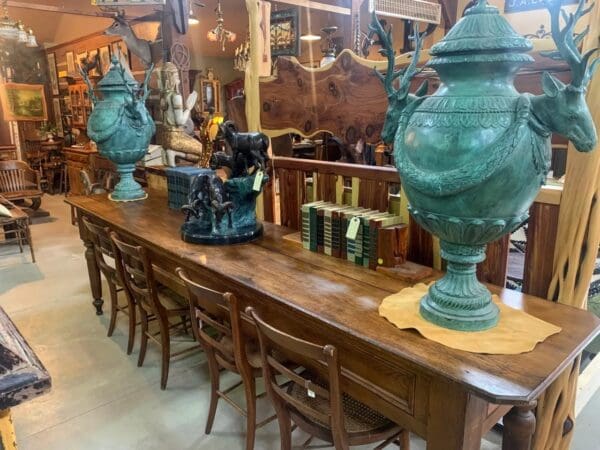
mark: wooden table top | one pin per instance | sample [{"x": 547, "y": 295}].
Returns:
[
  {"x": 347, "y": 297},
  {"x": 22, "y": 375}
]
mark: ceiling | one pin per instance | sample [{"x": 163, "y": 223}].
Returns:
[{"x": 53, "y": 28}]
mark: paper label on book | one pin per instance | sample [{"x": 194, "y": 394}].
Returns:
[
  {"x": 258, "y": 180},
  {"x": 311, "y": 394},
  {"x": 353, "y": 226}
]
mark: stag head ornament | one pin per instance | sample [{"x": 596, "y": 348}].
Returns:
[{"x": 473, "y": 155}]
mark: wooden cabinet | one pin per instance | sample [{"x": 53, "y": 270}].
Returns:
[
  {"x": 81, "y": 105},
  {"x": 77, "y": 159}
]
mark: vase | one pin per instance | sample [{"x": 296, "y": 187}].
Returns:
[
  {"x": 121, "y": 126},
  {"x": 473, "y": 155}
]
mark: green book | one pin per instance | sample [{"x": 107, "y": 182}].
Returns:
[
  {"x": 344, "y": 218},
  {"x": 329, "y": 234},
  {"x": 359, "y": 244},
  {"x": 305, "y": 229},
  {"x": 354, "y": 246},
  {"x": 313, "y": 225},
  {"x": 370, "y": 252}
]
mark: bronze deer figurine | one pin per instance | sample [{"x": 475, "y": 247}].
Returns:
[
  {"x": 562, "y": 108},
  {"x": 398, "y": 99},
  {"x": 139, "y": 47}
]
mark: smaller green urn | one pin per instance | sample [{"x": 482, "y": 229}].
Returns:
[{"x": 121, "y": 126}]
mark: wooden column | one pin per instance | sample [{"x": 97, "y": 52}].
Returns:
[
  {"x": 574, "y": 259},
  {"x": 251, "y": 83}
]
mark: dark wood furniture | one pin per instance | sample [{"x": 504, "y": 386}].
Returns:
[
  {"x": 313, "y": 399},
  {"x": 217, "y": 326},
  {"x": 16, "y": 226},
  {"x": 103, "y": 248},
  {"x": 448, "y": 397},
  {"x": 154, "y": 302},
  {"x": 8, "y": 152},
  {"x": 19, "y": 182},
  {"x": 77, "y": 159},
  {"x": 23, "y": 376}
]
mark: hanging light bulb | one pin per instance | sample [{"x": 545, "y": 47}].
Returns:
[
  {"x": 192, "y": 19},
  {"x": 31, "y": 41}
]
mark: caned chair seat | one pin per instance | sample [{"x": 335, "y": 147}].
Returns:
[
  {"x": 358, "y": 417},
  {"x": 252, "y": 352},
  {"x": 171, "y": 300}
]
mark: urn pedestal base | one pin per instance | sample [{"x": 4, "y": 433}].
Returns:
[
  {"x": 458, "y": 301},
  {"x": 127, "y": 189},
  {"x": 194, "y": 234}
]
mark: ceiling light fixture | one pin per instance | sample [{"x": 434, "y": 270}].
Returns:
[
  {"x": 192, "y": 19},
  {"x": 310, "y": 37},
  {"x": 219, "y": 33},
  {"x": 15, "y": 30}
]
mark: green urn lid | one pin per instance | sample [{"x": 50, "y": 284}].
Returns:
[
  {"x": 482, "y": 35},
  {"x": 117, "y": 77}
]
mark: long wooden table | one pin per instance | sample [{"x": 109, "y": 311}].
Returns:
[{"x": 448, "y": 397}]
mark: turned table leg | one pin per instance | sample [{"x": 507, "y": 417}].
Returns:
[
  {"x": 94, "y": 274},
  {"x": 519, "y": 426}
]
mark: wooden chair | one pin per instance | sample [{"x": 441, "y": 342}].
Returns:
[
  {"x": 153, "y": 301},
  {"x": 16, "y": 226},
  {"x": 226, "y": 349},
  {"x": 313, "y": 399},
  {"x": 104, "y": 248},
  {"x": 19, "y": 182}
]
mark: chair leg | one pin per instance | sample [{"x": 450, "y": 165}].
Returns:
[
  {"x": 285, "y": 429},
  {"x": 144, "y": 344},
  {"x": 213, "y": 369},
  {"x": 250, "y": 391},
  {"x": 184, "y": 324},
  {"x": 404, "y": 440},
  {"x": 165, "y": 339},
  {"x": 132, "y": 319},
  {"x": 29, "y": 240},
  {"x": 113, "y": 307}
]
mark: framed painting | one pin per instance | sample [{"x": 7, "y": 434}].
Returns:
[
  {"x": 57, "y": 116},
  {"x": 53, "y": 74},
  {"x": 70, "y": 57},
  {"x": 285, "y": 33},
  {"x": 24, "y": 102},
  {"x": 104, "y": 53}
]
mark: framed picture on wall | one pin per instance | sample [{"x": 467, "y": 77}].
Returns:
[
  {"x": 52, "y": 71},
  {"x": 57, "y": 116},
  {"x": 104, "y": 53},
  {"x": 70, "y": 56},
  {"x": 285, "y": 33},
  {"x": 23, "y": 102}
]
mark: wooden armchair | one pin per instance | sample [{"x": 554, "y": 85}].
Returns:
[{"x": 18, "y": 181}]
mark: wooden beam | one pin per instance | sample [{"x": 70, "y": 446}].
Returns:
[
  {"x": 55, "y": 9},
  {"x": 318, "y": 6}
]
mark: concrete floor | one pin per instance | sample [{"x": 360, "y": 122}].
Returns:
[{"x": 100, "y": 399}]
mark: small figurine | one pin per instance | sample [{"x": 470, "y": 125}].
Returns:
[
  {"x": 176, "y": 119},
  {"x": 212, "y": 198}
]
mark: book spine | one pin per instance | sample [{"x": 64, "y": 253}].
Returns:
[
  {"x": 358, "y": 246},
  {"x": 373, "y": 232},
  {"x": 320, "y": 231},
  {"x": 305, "y": 230},
  {"x": 312, "y": 229},
  {"x": 327, "y": 232},
  {"x": 335, "y": 235}
]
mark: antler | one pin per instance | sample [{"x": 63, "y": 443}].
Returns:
[
  {"x": 567, "y": 42},
  {"x": 146, "y": 82},
  {"x": 387, "y": 50}
]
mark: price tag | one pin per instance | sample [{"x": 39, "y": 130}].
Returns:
[
  {"x": 352, "y": 230},
  {"x": 311, "y": 394},
  {"x": 258, "y": 180}
]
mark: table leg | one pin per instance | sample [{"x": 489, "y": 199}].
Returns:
[
  {"x": 519, "y": 426},
  {"x": 455, "y": 418},
  {"x": 8, "y": 439},
  {"x": 94, "y": 275}
]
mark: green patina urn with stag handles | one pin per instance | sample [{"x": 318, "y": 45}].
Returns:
[
  {"x": 473, "y": 155},
  {"x": 121, "y": 126}
]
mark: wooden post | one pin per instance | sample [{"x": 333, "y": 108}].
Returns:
[
  {"x": 577, "y": 242},
  {"x": 251, "y": 81}
]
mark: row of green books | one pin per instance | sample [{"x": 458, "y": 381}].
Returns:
[{"x": 344, "y": 231}]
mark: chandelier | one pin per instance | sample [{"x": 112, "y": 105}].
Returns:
[
  {"x": 15, "y": 30},
  {"x": 219, "y": 33}
]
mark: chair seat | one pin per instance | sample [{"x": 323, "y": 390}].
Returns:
[
  {"x": 17, "y": 195},
  {"x": 252, "y": 351},
  {"x": 359, "y": 419},
  {"x": 170, "y": 299}
]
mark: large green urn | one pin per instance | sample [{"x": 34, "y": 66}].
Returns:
[
  {"x": 121, "y": 126},
  {"x": 473, "y": 155}
]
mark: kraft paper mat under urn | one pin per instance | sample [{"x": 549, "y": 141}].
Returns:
[{"x": 516, "y": 332}]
